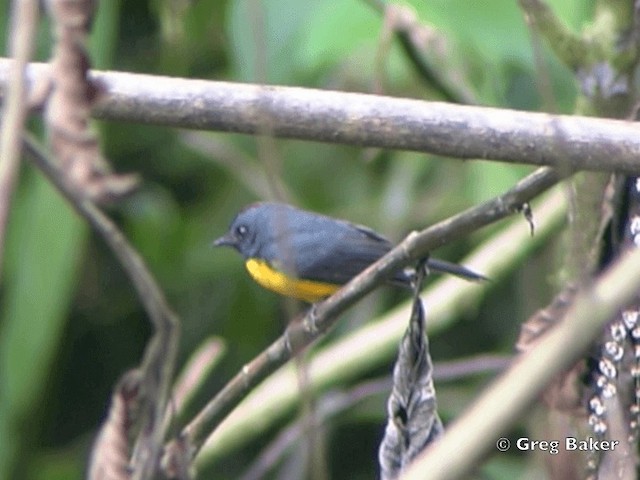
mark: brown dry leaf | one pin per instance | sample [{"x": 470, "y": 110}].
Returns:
[{"x": 68, "y": 107}]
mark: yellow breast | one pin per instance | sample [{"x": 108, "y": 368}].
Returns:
[{"x": 306, "y": 290}]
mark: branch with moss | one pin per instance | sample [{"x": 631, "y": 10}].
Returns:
[{"x": 570, "y": 47}]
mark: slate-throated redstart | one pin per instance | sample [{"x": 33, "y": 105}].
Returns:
[{"x": 309, "y": 256}]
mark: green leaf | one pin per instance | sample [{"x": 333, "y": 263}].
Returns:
[{"x": 44, "y": 245}]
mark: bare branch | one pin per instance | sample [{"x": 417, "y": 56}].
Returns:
[
  {"x": 197, "y": 368},
  {"x": 366, "y": 120}
]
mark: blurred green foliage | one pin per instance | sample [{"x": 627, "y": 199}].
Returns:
[{"x": 71, "y": 323}]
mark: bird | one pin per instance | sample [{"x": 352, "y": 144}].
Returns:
[{"x": 309, "y": 256}]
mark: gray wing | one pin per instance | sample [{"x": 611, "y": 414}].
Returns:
[{"x": 339, "y": 253}]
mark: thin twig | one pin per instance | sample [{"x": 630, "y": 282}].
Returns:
[
  {"x": 323, "y": 315},
  {"x": 366, "y": 120},
  {"x": 333, "y": 403},
  {"x": 23, "y": 26},
  {"x": 159, "y": 358},
  {"x": 469, "y": 366},
  {"x": 197, "y": 368},
  {"x": 417, "y": 40},
  {"x": 329, "y": 406}
]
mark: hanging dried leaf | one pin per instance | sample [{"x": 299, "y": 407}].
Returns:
[
  {"x": 110, "y": 453},
  {"x": 413, "y": 421},
  {"x": 68, "y": 107}
]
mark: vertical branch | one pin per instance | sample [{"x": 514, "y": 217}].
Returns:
[{"x": 23, "y": 25}]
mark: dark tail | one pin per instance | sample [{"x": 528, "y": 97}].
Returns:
[
  {"x": 405, "y": 278},
  {"x": 442, "y": 266}
]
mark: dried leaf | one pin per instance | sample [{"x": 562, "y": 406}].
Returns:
[
  {"x": 68, "y": 108},
  {"x": 110, "y": 453},
  {"x": 413, "y": 421}
]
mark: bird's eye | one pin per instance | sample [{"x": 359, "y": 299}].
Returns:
[{"x": 241, "y": 231}]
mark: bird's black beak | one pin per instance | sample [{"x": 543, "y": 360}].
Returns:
[{"x": 225, "y": 241}]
